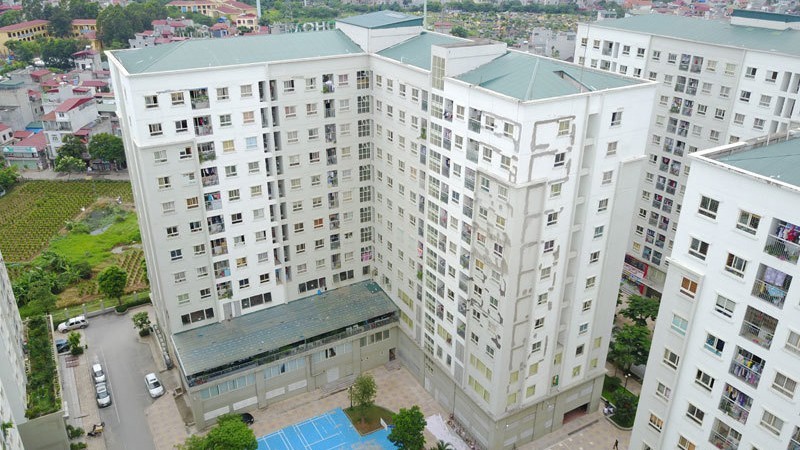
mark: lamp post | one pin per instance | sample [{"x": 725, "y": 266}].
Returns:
[
  {"x": 626, "y": 380},
  {"x": 350, "y": 394}
]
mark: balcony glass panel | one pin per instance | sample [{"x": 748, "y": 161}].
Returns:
[
  {"x": 724, "y": 437},
  {"x": 735, "y": 403},
  {"x": 747, "y": 367},
  {"x": 758, "y": 327},
  {"x": 784, "y": 241},
  {"x": 771, "y": 285}
]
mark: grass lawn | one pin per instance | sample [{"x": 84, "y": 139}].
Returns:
[
  {"x": 33, "y": 212},
  {"x": 96, "y": 249},
  {"x": 371, "y": 418}
]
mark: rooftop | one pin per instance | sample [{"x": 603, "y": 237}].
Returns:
[
  {"x": 204, "y": 53},
  {"x": 779, "y": 159},
  {"x": 24, "y": 25},
  {"x": 709, "y": 31},
  {"x": 244, "y": 337},
  {"x": 383, "y": 19},
  {"x": 417, "y": 50},
  {"x": 528, "y": 77}
]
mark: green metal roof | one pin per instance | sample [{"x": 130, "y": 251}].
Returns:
[
  {"x": 417, "y": 50},
  {"x": 778, "y": 160},
  {"x": 206, "y": 53},
  {"x": 383, "y": 19},
  {"x": 244, "y": 337},
  {"x": 528, "y": 77},
  {"x": 762, "y": 15},
  {"x": 709, "y": 31}
]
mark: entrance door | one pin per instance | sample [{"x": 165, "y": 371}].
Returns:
[
  {"x": 332, "y": 374},
  {"x": 227, "y": 310},
  {"x": 392, "y": 354}
]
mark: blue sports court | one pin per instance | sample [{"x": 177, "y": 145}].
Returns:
[{"x": 328, "y": 431}]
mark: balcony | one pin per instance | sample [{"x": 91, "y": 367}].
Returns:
[
  {"x": 210, "y": 180},
  {"x": 771, "y": 285},
  {"x": 215, "y": 225},
  {"x": 213, "y": 204},
  {"x": 735, "y": 403},
  {"x": 219, "y": 250},
  {"x": 784, "y": 241},
  {"x": 758, "y": 327},
  {"x": 207, "y": 155},
  {"x": 724, "y": 437},
  {"x": 199, "y": 98},
  {"x": 224, "y": 293},
  {"x": 794, "y": 442},
  {"x": 747, "y": 367},
  {"x": 203, "y": 130}
]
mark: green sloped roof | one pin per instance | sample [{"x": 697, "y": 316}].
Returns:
[
  {"x": 528, "y": 77},
  {"x": 202, "y": 53},
  {"x": 779, "y": 160},
  {"x": 709, "y": 31},
  {"x": 383, "y": 19},
  {"x": 417, "y": 50},
  {"x": 762, "y": 15}
]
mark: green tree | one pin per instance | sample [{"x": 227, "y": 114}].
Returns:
[
  {"x": 640, "y": 309},
  {"x": 141, "y": 321},
  {"x": 24, "y": 51},
  {"x": 72, "y": 146},
  {"x": 11, "y": 17},
  {"x": 69, "y": 165},
  {"x": 630, "y": 346},
  {"x": 362, "y": 394},
  {"x": 459, "y": 31},
  {"x": 33, "y": 9},
  {"x": 8, "y": 176},
  {"x": 442, "y": 445},
  {"x": 111, "y": 282},
  {"x": 625, "y": 404},
  {"x": 108, "y": 148},
  {"x": 409, "y": 425},
  {"x": 58, "y": 52},
  {"x": 61, "y": 23},
  {"x": 231, "y": 433},
  {"x": 194, "y": 442},
  {"x": 83, "y": 9},
  {"x": 74, "y": 341}
]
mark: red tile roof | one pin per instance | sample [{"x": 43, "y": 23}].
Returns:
[
  {"x": 225, "y": 9},
  {"x": 4, "y": 127},
  {"x": 94, "y": 83},
  {"x": 40, "y": 73},
  {"x": 37, "y": 140},
  {"x": 22, "y": 134},
  {"x": 49, "y": 117},
  {"x": 84, "y": 22},
  {"x": 24, "y": 25},
  {"x": 240, "y": 5},
  {"x": 72, "y": 103}
]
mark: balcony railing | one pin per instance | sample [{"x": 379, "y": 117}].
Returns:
[
  {"x": 207, "y": 156},
  {"x": 200, "y": 102},
  {"x": 723, "y": 442},
  {"x": 203, "y": 130},
  {"x": 212, "y": 205},
  {"x": 219, "y": 250},
  {"x": 770, "y": 293},
  {"x": 215, "y": 228},
  {"x": 782, "y": 249},
  {"x": 747, "y": 371},
  {"x": 758, "y": 334},
  {"x": 210, "y": 180},
  {"x": 738, "y": 408}
]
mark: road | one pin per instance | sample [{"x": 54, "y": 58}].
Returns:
[{"x": 115, "y": 343}]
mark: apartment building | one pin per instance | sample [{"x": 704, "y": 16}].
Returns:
[
  {"x": 13, "y": 400},
  {"x": 316, "y": 204},
  {"x": 719, "y": 82},
  {"x": 725, "y": 357}
]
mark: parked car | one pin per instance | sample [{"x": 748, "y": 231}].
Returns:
[
  {"x": 62, "y": 346},
  {"x": 102, "y": 395},
  {"x": 154, "y": 386},
  {"x": 248, "y": 418},
  {"x": 73, "y": 324},
  {"x": 98, "y": 374}
]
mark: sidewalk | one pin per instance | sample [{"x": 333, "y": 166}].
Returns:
[
  {"x": 78, "y": 393},
  {"x": 49, "y": 174}
]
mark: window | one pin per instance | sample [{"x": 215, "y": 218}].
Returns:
[
  {"x": 765, "y": 101},
  {"x": 172, "y": 231},
  {"x": 230, "y": 171},
  {"x": 181, "y": 126},
  {"x": 679, "y": 324},
  {"x": 670, "y": 358},
  {"x": 708, "y": 207},
  {"x": 594, "y": 257},
  {"x": 735, "y": 265},
  {"x": 248, "y": 117},
  {"x": 559, "y": 159},
  {"x": 663, "y": 391},
  {"x": 288, "y": 86},
  {"x": 151, "y": 101},
  {"x": 155, "y": 129},
  {"x": 719, "y": 113},
  {"x": 598, "y": 231},
  {"x": 582, "y": 329},
  {"x": 725, "y": 306},
  {"x": 549, "y": 245},
  {"x": 555, "y": 189},
  {"x": 222, "y": 93},
  {"x": 616, "y": 118},
  {"x": 611, "y": 148},
  {"x": 703, "y": 379},
  {"x": 602, "y": 205},
  {"x": 552, "y": 218},
  {"x": 225, "y": 120},
  {"x": 246, "y": 90},
  {"x": 177, "y": 98},
  {"x": 714, "y": 344},
  {"x": 784, "y": 384},
  {"x": 793, "y": 342},
  {"x": 695, "y": 414},
  {"x": 164, "y": 183},
  {"x": 698, "y": 249},
  {"x": 744, "y": 96},
  {"x": 748, "y": 222},
  {"x": 656, "y": 422},
  {"x": 176, "y": 255},
  {"x": 772, "y": 423},
  {"x": 587, "y": 305},
  {"x": 563, "y": 127},
  {"x": 608, "y": 176}
]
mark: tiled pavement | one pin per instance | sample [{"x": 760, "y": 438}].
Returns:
[{"x": 79, "y": 386}]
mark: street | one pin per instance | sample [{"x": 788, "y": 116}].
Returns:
[{"x": 115, "y": 344}]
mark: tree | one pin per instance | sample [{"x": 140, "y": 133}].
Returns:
[
  {"x": 231, "y": 433},
  {"x": 640, "y": 309},
  {"x": 442, "y": 445},
  {"x": 141, "y": 321},
  {"x": 8, "y": 176},
  {"x": 69, "y": 165},
  {"x": 630, "y": 346},
  {"x": 459, "y": 31},
  {"x": 24, "y": 51},
  {"x": 108, "y": 148},
  {"x": 74, "y": 341},
  {"x": 72, "y": 146},
  {"x": 61, "y": 23},
  {"x": 58, "y": 52},
  {"x": 11, "y": 17},
  {"x": 408, "y": 427},
  {"x": 362, "y": 394},
  {"x": 111, "y": 282}
]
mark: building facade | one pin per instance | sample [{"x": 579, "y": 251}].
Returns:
[
  {"x": 725, "y": 356},
  {"x": 486, "y": 192},
  {"x": 13, "y": 400},
  {"x": 740, "y": 80}
]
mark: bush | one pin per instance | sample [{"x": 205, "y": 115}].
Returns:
[
  {"x": 121, "y": 308},
  {"x": 82, "y": 269},
  {"x": 74, "y": 432},
  {"x": 142, "y": 301},
  {"x": 77, "y": 445},
  {"x": 80, "y": 228},
  {"x": 625, "y": 404},
  {"x": 144, "y": 332},
  {"x": 611, "y": 385}
]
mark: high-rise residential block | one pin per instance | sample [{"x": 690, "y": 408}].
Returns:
[
  {"x": 13, "y": 400},
  {"x": 313, "y": 205}
]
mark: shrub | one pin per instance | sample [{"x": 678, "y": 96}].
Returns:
[
  {"x": 80, "y": 228},
  {"x": 82, "y": 269},
  {"x": 77, "y": 445},
  {"x": 144, "y": 332},
  {"x": 611, "y": 385},
  {"x": 121, "y": 308},
  {"x": 74, "y": 432},
  {"x": 625, "y": 404}
]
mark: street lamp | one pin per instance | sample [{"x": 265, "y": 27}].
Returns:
[
  {"x": 350, "y": 394},
  {"x": 626, "y": 380}
]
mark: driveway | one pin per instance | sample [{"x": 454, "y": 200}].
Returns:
[{"x": 115, "y": 343}]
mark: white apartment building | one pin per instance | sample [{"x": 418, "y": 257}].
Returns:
[
  {"x": 719, "y": 82},
  {"x": 13, "y": 400},
  {"x": 315, "y": 204},
  {"x": 725, "y": 357}
]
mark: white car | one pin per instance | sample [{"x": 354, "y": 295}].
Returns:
[
  {"x": 98, "y": 375},
  {"x": 102, "y": 395},
  {"x": 154, "y": 386},
  {"x": 73, "y": 324}
]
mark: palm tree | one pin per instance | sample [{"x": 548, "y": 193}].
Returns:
[{"x": 442, "y": 445}]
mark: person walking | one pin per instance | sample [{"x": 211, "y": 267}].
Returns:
[{"x": 616, "y": 444}]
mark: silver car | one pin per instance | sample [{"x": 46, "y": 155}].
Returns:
[
  {"x": 102, "y": 395},
  {"x": 154, "y": 386},
  {"x": 98, "y": 375}
]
